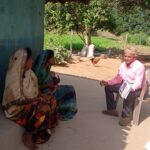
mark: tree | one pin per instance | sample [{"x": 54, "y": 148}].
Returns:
[
  {"x": 84, "y": 19},
  {"x": 124, "y": 5},
  {"x": 136, "y": 20}
]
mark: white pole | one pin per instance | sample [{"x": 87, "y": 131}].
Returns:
[{"x": 126, "y": 40}]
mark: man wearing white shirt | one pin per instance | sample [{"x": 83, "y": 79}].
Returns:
[{"x": 130, "y": 70}]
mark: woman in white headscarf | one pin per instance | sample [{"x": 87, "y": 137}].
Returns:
[{"x": 23, "y": 103}]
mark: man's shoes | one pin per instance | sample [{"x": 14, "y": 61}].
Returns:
[
  {"x": 124, "y": 121},
  {"x": 112, "y": 112}
]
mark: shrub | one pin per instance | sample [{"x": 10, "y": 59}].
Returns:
[
  {"x": 139, "y": 39},
  {"x": 62, "y": 54}
]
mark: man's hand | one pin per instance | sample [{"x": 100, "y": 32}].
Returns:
[{"x": 103, "y": 83}]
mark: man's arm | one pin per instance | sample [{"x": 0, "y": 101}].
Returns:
[
  {"x": 139, "y": 77},
  {"x": 117, "y": 79}
]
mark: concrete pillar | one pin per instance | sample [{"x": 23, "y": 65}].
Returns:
[{"x": 21, "y": 25}]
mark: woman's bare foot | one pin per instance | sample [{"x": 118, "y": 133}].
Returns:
[{"x": 28, "y": 142}]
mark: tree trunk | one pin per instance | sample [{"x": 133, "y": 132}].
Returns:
[
  {"x": 88, "y": 37},
  {"x": 71, "y": 35},
  {"x": 87, "y": 42}
]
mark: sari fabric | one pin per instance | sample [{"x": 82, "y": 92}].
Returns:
[
  {"x": 21, "y": 100},
  {"x": 65, "y": 94}
]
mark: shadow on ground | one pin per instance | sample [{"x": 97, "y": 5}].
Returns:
[{"x": 89, "y": 129}]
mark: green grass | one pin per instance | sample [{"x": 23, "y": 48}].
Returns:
[
  {"x": 106, "y": 43},
  {"x": 101, "y": 43}
]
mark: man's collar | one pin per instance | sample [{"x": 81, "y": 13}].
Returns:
[{"x": 130, "y": 65}]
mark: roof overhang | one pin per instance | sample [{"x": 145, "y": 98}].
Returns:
[{"x": 63, "y": 1}]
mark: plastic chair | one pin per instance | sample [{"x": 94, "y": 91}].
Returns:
[{"x": 144, "y": 98}]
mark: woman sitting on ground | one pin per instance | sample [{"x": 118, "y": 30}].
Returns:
[
  {"x": 49, "y": 82},
  {"x": 24, "y": 104}
]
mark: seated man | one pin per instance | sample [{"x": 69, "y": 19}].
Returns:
[{"x": 132, "y": 71}]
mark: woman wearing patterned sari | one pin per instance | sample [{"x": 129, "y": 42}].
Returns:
[
  {"x": 24, "y": 104},
  {"x": 48, "y": 81}
]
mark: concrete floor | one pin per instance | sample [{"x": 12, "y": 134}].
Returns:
[{"x": 89, "y": 129}]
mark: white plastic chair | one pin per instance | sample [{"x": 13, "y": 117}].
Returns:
[{"x": 144, "y": 98}]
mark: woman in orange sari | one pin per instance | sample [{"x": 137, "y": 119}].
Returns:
[{"x": 24, "y": 104}]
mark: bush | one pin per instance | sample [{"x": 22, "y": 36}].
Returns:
[
  {"x": 134, "y": 21},
  {"x": 62, "y": 54},
  {"x": 139, "y": 39}
]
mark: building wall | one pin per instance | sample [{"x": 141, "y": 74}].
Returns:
[{"x": 21, "y": 25}]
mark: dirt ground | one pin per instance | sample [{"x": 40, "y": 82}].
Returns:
[{"x": 105, "y": 69}]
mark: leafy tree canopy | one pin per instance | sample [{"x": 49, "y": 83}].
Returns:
[
  {"x": 125, "y": 5},
  {"x": 79, "y": 17},
  {"x": 134, "y": 21}
]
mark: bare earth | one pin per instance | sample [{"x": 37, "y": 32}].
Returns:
[{"x": 105, "y": 69}]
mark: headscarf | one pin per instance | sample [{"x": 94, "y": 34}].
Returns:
[
  {"x": 39, "y": 66},
  {"x": 30, "y": 85},
  {"x": 19, "y": 85},
  {"x": 13, "y": 84}
]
